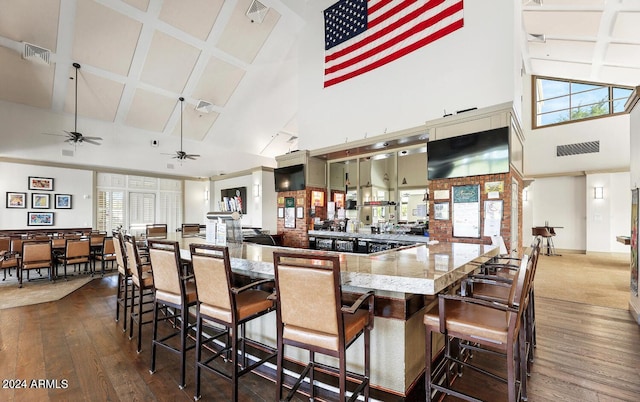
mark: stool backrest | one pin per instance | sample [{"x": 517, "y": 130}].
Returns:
[
  {"x": 165, "y": 263},
  {"x": 212, "y": 269},
  {"x": 309, "y": 296},
  {"x": 121, "y": 259}
]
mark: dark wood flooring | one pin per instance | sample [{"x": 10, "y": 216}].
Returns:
[{"x": 585, "y": 353}]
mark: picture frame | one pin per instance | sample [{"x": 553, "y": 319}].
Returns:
[
  {"x": 280, "y": 212},
  {"x": 62, "y": 201},
  {"x": 39, "y": 218},
  {"x": 40, "y": 183},
  {"x": 441, "y": 211},
  {"x": 40, "y": 201},
  {"x": 16, "y": 200},
  {"x": 299, "y": 212}
]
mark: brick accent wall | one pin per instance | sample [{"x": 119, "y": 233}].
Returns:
[
  {"x": 298, "y": 236},
  {"x": 442, "y": 230}
]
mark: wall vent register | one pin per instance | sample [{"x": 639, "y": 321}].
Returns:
[{"x": 579, "y": 148}]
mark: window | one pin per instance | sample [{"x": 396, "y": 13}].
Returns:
[
  {"x": 110, "y": 210},
  {"x": 134, "y": 201},
  {"x": 563, "y": 101}
]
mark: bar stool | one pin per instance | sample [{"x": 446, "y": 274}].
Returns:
[
  {"x": 222, "y": 303},
  {"x": 483, "y": 323},
  {"x": 142, "y": 281},
  {"x": 173, "y": 290},
  {"x": 190, "y": 229},
  {"x": 547, "y": 233},
  {"x": 124, "y": 277},
  {"x": 310, "y": 316}
]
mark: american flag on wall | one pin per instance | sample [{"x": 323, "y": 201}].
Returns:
[{"x": 363, "y": 35}]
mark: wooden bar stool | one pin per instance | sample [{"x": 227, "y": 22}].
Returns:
[
  {"x": 231, "y": 307},
  {"x": 142, "y": 281},
  {"x": 311, "y": 316},
  {"x": 123, "y": 296},
  {"x": 486, "y": 324},
  {"x": 173, "y": 290}
]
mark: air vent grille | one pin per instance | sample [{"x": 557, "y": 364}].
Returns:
[
  {"x": 257, "y": 11},
  {"x": 579, "y": 148},
  {"x": 204, "y": 106},
  {"x": 67, "y": 152},
  {"x": 36, "y": 54}
]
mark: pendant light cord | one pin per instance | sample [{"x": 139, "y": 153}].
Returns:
[
  {"x": 75, "y": 123},
  {"x": 181, "y": 107}
]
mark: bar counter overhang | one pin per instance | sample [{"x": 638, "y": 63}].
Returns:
[{"x": 405, "y": 281}]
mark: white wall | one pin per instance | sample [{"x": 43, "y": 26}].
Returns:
[
  {"x": 269, "y": 202},
  {"x": 471, "y": 67},
  {"x": 79, "y": 183},
  {"x": 610, "y": 216},
  {"x": 260, "y": 202},
  {"x": 561, "y": 202},
  {"x": 634, "y": 300},
  {"x": 195, "y": 204},
  {"x": 540, "y": 146}
]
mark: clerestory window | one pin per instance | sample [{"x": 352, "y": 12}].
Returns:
[{"x": 558, "y": 101}]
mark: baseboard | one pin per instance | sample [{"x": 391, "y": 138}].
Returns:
[{"x": 634, "y": 313}]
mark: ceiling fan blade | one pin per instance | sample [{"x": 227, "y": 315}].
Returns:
[
  {"x": 165, "y": 153},
  {"x": 92, "y": 138},
  {"x": 192, "y": 157},
  {"x": 90, "y": 141},
  {"x": 57, "y": 135}
]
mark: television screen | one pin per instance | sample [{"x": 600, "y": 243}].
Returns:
[
  {"x": 290, "y": 178},
  {"x": 486, "y": 152}
]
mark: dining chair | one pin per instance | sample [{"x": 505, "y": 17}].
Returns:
[
  {"x": 36, "y": 254},
  {"x": 76, "y": 251},
  {"x": 310, "y": 315},
  {"x": 8, "y": 259}
]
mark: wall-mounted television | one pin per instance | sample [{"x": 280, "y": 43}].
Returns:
[
  {"x": 485, "y": 152},
  {"x": 289, "y": 178}
]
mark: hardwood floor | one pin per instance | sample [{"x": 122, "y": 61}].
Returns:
[{"x": 584, "y": 353}]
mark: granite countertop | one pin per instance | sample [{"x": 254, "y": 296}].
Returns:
[
  {"x": 370, "y": 236},
  {"x": 420, "y": 269}
]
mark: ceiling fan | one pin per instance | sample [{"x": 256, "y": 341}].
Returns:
[
  {"x": 74, "y": 137},
  {"x": 181, "y": 155}
]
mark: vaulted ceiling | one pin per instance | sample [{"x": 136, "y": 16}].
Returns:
[{"x": 235, "y": 62}]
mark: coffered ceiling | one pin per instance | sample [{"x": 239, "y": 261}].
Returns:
[{"x": 138, "y": 57}]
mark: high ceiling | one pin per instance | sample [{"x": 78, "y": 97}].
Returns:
[
  {"x": 139, "y": 56},
  {"x": 589, "y": 40}
]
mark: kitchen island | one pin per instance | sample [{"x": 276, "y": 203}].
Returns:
[{"x": 405, "y": 281}]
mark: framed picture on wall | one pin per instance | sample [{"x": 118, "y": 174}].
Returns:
[
  {"x": 16, "y": 200},
  {"x": 40, "y": 201},
  {"x": 40, "y": 183},
  {"x": 62, "y": 201},
  {"x": 40, "y": 218}
]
